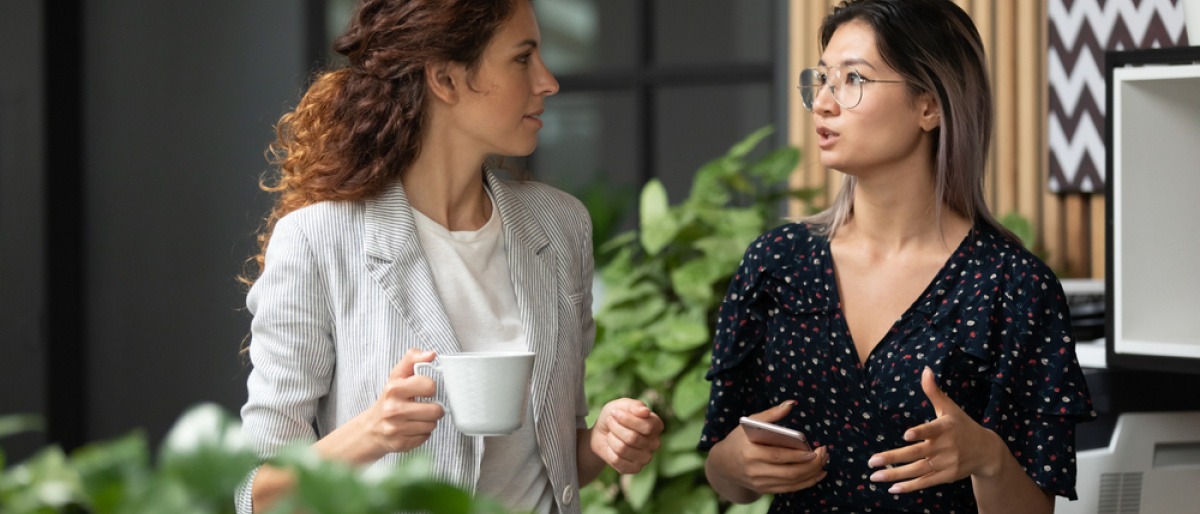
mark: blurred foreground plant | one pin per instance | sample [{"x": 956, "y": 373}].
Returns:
[{"x": 199, "y": 467}]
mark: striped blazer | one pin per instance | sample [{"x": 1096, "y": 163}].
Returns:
[{"x": 347, "y": 290}]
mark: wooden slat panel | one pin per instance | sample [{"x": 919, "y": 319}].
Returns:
[
  {"x": 1004, "y": 77},
  {"x": 1076, "y": 236},
  {"x": 983, "y": 14},
  {"x": 1029, "y": 113},
  {"x": 1098, "y": 254},
  {"x": 1051, "y": 236}
]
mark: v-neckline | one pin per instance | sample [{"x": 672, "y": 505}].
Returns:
[{"x": 840, "y": 315}]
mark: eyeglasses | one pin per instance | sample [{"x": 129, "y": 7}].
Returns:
[{"x": 845, "y": 84}]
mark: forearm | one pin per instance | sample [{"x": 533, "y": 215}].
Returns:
[
  {"x": 717, "y": 468},
  {"x": 589, "y": 464},
  {"x": 1007, "y": 488},
  {"x": 348, "y": 443}
]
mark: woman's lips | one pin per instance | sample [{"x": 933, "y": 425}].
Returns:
[
  {"x": 826, "y": 138},
  {"x": 535, "y": 117}
]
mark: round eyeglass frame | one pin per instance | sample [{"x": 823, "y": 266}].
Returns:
[{"x": 809, "y": 91}]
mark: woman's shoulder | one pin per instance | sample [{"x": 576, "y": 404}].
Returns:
[
  {"x": 323, "y": 220},
  {"x": 1005, "y": 265},
  {"x": 795, "y": 238},
  {"x": 990, "y": 245},
  {"x": 550, "y": 205},
  {"x": 540, "y": 194}
]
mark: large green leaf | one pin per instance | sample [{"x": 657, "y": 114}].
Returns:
[
  {"x": 16, "y": 423},
  {"x": 760, "y": 506},
  {"x": 657, "y": 226},
  {"x": 638, "y": 487},
  {"x": 680, "y": 331},
  {"x": 44, "y": 483},
  {"x": 709, "y": 187},
  {"x": 678, "y": 463},
  {"x": 114, "y": 473},
  {"x": 693, "y": 280},
  {"x": 690, "y": 395},
  {"x": 683, "y": 495},
  {"x": 777, "y": 166},
  {"x": 207, "y": 450},
  {"x": 744, "y": 147},
  {"x": 661, "y": 367},
  {"x": 683, "y": 438}
]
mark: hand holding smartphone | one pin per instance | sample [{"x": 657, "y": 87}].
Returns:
[{"x": 770, "y": 434}]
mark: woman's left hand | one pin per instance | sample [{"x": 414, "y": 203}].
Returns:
[
  {"x": 626, "y": 435},
  {"x": 949, "y": 448}
]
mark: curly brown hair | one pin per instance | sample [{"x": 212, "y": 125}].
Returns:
[{"x": 359, "y": 126}]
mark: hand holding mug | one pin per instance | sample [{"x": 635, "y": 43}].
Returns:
[
  {"x": 626, "y": 434},
  {"x": 397, "y": 421}
]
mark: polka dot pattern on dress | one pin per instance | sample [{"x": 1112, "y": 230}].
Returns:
[{"x": 993, "y": 326}]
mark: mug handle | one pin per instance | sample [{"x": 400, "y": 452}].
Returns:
[{"x": 432, "y": 369}]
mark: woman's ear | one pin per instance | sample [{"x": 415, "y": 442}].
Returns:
[
  {"x": 931, "y": 112},
  {"x": 442, "y": 81}
]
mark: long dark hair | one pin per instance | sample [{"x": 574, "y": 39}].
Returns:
[
  {"x": 359, "y": 126},
  {"x": 935, "y": 46}
]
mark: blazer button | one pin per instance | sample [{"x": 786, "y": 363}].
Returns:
[{"x": 568, "y": 495}]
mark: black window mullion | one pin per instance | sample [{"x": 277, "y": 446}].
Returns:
[{"x": 65, "y": 372}]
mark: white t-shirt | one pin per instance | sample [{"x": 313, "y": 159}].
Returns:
[{"x": 470, "y": 271}]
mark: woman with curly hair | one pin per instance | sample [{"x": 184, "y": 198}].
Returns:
[{"x": 393, "y": 240}]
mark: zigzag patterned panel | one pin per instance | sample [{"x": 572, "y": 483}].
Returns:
[{"x": 1080, "y": 32}]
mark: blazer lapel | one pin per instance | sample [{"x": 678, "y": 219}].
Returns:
[
  {"x": 531, "y": 264},
  {"x": 398, "y": 264}
]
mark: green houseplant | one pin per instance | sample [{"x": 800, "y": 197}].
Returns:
[
  {"x": 663, "y": 284},
  {"x": 197, "y": 471}
]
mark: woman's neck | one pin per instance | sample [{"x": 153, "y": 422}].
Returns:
[
  {"x": 895, "y": 211},
  {"x": 448, "y": 189}
]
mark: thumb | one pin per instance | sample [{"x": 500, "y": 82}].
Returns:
[
  {"x": 640, "y": 409},
  {"x": 941, "y": 403},
  {"x": 775, "y": 413},
  {"x": 404, "y": 368}
]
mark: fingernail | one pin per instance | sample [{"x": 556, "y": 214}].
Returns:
[
  {"x": 877, "y": 476},
  {"x": 895, "y": 489},
  {"x": 908, "y": 435},
  {"x": 875, "y": 461}
]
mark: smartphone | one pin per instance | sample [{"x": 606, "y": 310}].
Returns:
[{"x": 770, "y": 434}]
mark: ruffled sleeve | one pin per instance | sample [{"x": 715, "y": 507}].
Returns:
[
  {"x": 1039, "y": 388},
  {"x": 739, "y": 333}
]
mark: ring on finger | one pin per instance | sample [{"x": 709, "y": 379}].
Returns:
[{"x": 930, "y": 462}]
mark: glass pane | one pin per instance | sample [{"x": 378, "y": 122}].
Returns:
[
  {"x": 590, "y": 145},
  {"x": 712, "y": 32},
  {"x": 588, "y": 35},
  {"x": 698, "y": 124}
]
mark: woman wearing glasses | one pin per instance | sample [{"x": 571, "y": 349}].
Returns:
[{"x": 926, "y": 355}]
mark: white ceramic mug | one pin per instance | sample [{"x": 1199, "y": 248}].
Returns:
[{"x": 486, "y": 392}]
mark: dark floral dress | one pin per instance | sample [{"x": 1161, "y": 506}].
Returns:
[{"x": 993, "y": 326}]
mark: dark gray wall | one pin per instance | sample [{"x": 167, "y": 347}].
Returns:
[
  {"x": 179, "y": 101},
  {"x": 22, "y": 356}
]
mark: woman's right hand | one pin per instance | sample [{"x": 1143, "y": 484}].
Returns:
[
  {"x": 758, "y": 469},
  {"x": 397, "y": 421}
]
